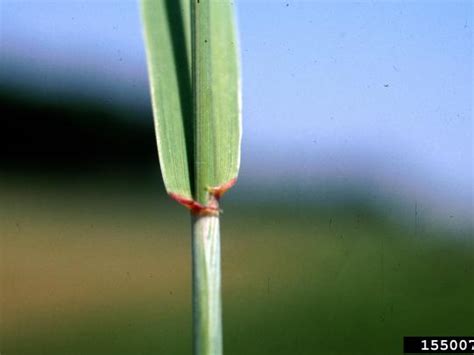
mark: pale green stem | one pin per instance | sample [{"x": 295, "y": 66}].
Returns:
[{"x": 207, "y": 313}]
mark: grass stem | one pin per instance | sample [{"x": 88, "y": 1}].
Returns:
[{"x": 207, "y": 308}]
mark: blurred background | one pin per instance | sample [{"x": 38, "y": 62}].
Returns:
[{"x": 351, "y": 223}]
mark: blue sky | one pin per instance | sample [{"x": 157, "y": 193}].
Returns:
[{"x": 373, "y": 93}]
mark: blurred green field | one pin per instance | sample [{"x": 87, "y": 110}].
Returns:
[{"x": 100, "y": 267}]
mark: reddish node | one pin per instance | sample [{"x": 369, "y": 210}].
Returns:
[
  {"x": 218, "y": 191},
  {"x": 195, "y": 207}
]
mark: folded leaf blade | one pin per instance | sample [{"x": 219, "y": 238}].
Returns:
[{"x": 217, "y": 96}]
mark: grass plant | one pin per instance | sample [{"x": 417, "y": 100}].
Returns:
[{"x": 194, "y": 78}]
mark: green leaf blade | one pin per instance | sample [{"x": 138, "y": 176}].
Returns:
[
  {"x": 217, "y": 95},
  {"x": 193, "y": 66},
  {"x": 168, "y": 48}
]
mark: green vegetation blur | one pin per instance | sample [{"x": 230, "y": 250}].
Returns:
[{"x": 95, "y": 258}]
